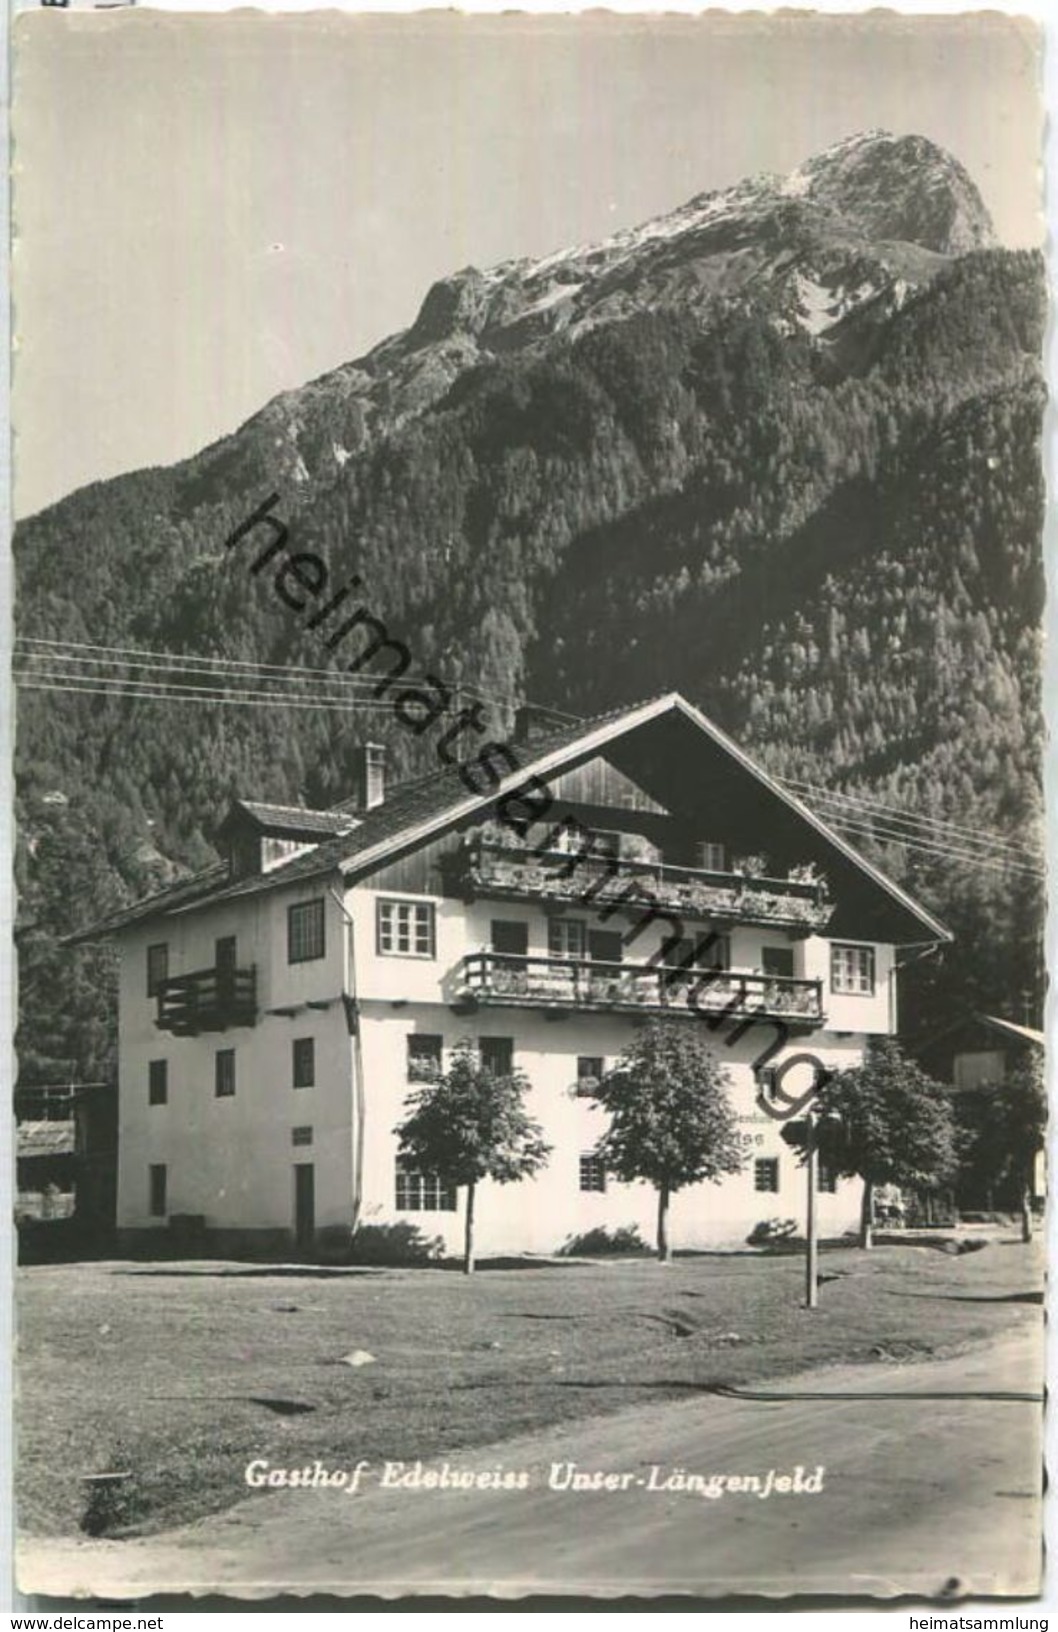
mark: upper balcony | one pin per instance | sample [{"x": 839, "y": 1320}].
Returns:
[
  {"x": 564, "y": 984},
  {"x": 207, "y": 1000},
  {"x": 487, "y": 868}
]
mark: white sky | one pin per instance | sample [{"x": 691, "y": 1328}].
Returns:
[{"x": 212, "y": 209}]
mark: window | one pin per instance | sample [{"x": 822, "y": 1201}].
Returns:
[
  {"x": 826, "y": 1181},
  {"x": 158, "y": 1082},
  {"x": 566, "y": 938},
  {"x": 497, "y": 1055},
  {"x": 710, "y": 857},
  {"x": 592, "y": 1172},
  {"x": 157, "y": 1174},
  {"x": 701, "y": 952},
  {"x": 590, "y": 1070},
  {"x": 510, "y": 935},
  {"x": 305, "y": 931},
  {"x": 225, "y": 955},
  {"x": 766, "y": 1173},
  {"x": 406, "y": 929},
  {"x": 424, "y": 1056},
  {"x": 422, "y": 1192},
  {"x": 224, "y": 1073},
  {"x": 777, "y": 961},
  {"x": 157, "y": 967},
  {"x": 767, "y": 1078},
  {"x": 303, "y": 1062},
  {"x": 852, "y": 970},
  {"x": 301, "y": 1136}
]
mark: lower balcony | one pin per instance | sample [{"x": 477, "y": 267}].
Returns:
[
  {"x": 563, "y": 984},
  {"x": 207, "y": 1000}
]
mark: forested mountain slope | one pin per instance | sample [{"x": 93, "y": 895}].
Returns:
[{"x": 778, "y": 450}]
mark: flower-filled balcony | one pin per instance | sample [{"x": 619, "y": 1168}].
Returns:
[
  {"x": 562, "y": 984},
  {"x": 207, "y": 1000},
  {"x": 485, "y": 867}
]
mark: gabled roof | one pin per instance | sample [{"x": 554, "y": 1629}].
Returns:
[
  {"x": 1018, "y": 1034},
  {"x": 665, "y": 739},
  {"x": 970, "y": 1021},
  {"x": 292, "y": 818}
]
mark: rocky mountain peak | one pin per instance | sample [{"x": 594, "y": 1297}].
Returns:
[
  {"x": 901, "y": 201},
  {"x": 897, "y": 187}
]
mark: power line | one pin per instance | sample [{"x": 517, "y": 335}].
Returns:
[
  {"x": 893, "y": 826},
  {"x": 175, "y": 663},
  {"x": 976, "y": 858},
  {"x": 131, "y": 686},
  {"x": 157, "y": 690},
  {"x": 888, "y": 828},
  {"x": 146, "y": 658},
  {"x": 196, "y": 695},
  {"x": 894, "y": 812}
]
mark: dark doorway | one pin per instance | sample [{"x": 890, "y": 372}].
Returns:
[
  {"x": 305, "y": 1206},
  {"x": 510, "y": 935}
]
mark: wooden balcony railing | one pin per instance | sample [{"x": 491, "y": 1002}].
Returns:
[
  {"x": 207, "y": 1000},
  {"x": 485, "y": 868},
  {"x": 564, "y": 983}
]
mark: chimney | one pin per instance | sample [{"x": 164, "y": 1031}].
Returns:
[{"x": 369, "y": 775}]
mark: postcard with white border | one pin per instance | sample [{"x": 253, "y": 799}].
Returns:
[{"x": 529, "y": 814}]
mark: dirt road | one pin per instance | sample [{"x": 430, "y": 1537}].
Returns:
[{"x": 913, "y": 1479}]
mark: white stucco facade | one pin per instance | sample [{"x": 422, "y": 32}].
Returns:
[
  {"x": 229, "y": 1160},
  {"x": 303, "y": 992}
]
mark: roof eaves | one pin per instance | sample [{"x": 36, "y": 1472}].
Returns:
[{"x": 940, "y": 930}]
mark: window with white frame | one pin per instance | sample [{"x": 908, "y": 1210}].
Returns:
[
  {"x": 711, "y": 857},
  {"x": 852, "y": 970},
  {"x": 826, "y": 1180},
  {"x": 422, "y": 1192},
  {"x": 567, "y": 938},
  {"x": 592, "y": 1172},
  {"x": 406, "y": 929}
]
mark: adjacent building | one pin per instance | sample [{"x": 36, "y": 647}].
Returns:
[{"x": 276, "y": 1010}]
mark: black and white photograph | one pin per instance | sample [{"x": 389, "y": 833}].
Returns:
[{"x": 529, "y": 750}]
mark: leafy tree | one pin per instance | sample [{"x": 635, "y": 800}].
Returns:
[
  {"x": 671, "y": 1121},
  {"x": 1001, "y": 1131},
  {"x": 885, "y": 1122},
  {"x": 470, "y": 1124}
]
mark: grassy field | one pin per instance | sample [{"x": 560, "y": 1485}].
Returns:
[{"x": 182, "y": 1373}]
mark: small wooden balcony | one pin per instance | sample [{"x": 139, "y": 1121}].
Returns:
[
  {"x": 207, "y": 1000},
  {"x": 562, "y": 985},
  {"x": 485, "y": 868}
]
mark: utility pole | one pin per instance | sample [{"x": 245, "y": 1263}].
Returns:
[{"x": 811, "y": 1221}]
